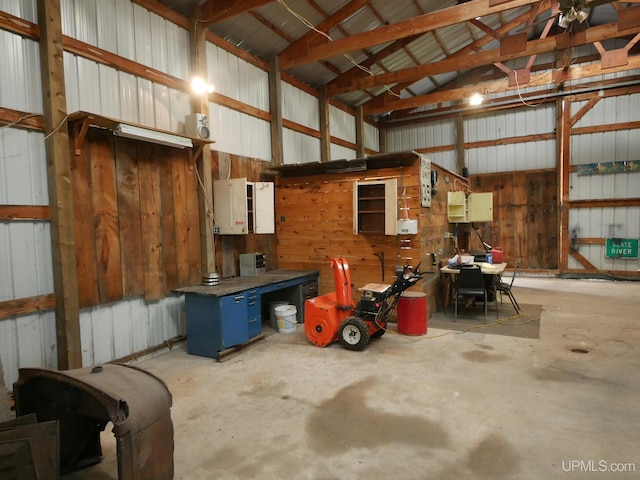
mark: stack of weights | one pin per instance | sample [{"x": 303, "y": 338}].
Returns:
[{"x": 211, "y": 279}]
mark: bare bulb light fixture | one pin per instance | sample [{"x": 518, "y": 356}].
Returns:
[
  {"x": 200, "y": 87},
  {"x": 476, "y": 99}
]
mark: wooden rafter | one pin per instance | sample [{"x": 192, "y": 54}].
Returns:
[
  {"x": 559, "y": 75},
  {"x": 313, "y": 37},
  {"x": 351, "y": 82},
  {"x": 302, "y": 52},
  {"x": 557, "y": 42},
  {"x": 214, "y": 11}
]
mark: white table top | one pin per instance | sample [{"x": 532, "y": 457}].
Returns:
[{"x": 487, "y": 268}]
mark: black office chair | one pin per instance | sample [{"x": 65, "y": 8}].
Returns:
[
  {"x": 505, "y": 288},
  {"x": 471, "y": 282}
]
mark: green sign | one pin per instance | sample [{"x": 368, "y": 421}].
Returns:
[{"x": 622, "y": 248}]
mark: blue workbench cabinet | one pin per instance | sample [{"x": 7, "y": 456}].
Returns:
[
  {"x": 216, "y": 323},
  {"x": 230, "y": 314}
]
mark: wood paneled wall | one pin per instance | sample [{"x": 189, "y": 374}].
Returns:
[
  {"x": 135, "y": 218},
  {"x": 525, "y": 217},
  {"x": 314, "y": 223}
]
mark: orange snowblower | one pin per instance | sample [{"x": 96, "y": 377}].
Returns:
[{"x": 336, "y": 317}]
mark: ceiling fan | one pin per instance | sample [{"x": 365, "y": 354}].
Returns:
[{"x": 572, "y": 10}]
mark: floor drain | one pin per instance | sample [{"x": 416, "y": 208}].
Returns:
[{"x": 579, "y": 350}]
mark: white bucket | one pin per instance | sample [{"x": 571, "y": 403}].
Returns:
[
  {"x": 286, "y": 315},
  {"x": 273, "y": 320}
]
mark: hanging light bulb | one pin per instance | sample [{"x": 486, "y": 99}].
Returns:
[
  {"x": 476, "y": 99},
  {"x": 200, "y": 87}
]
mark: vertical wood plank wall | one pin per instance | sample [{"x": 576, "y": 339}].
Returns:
[
  {"x": 136, "y": 218},
  {"x": 314, "y": 223},
  {"x": 525, "y": 217}
]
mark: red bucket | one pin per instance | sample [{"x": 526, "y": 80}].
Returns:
[
  {"x": 496, "y": 254},
  {"x": 412, "y": 313}
]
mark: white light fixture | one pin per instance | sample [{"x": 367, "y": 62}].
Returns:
[
  {"x": 200, "y": 87},
  {"x": 476, "y": 99},
  {"x": 582, "y": 16},
  {"x": 152, "y": 136}
]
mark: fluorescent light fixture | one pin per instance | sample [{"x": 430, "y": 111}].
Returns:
[
  {"x": 152, "y": 136},
  {"x": 476, "y": 99}
]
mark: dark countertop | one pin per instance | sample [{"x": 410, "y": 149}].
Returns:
[{"x": 229, "y": 286}]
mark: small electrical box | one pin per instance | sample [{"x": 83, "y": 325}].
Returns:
[{"x": 407, "y": 227}]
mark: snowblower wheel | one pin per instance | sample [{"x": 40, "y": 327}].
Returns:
[{"x": 353, "y": 334}]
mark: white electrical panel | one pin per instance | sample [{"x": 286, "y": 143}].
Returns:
[{"x": 425, "y": 181}]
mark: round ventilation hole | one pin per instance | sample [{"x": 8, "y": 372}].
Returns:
[{"x": 579, "y": 350}]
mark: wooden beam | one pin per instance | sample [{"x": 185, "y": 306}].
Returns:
[
  {"x": 460, "y": 147},
  {"x": 325, "y": 126},
  {"x": 360, "y": 132},
  {"x": 385, "y": 103},
  {"x": 304, "y": 53},
  {"x": 200, "y": 104},
  {"x": 606, "y": 203},
  {"x": 584, "y": 110},
  {"x": 312, "y": 37},
  {"x": 214, "y": 11},
  {"x": 18, "y": 119},
  {"x": 563, "y": 131},
  {"x": 580, "y": 258},
  {"x": 590, "y": 241},
  {"x": 19, "y": 26},
  {"x": 24, "y": 212},
  {"x": 65, "y": 280},
  {"x": 275, "y": 104},
  {"x": 613, "y": 127},
  {"x": 23, "y": 306},
  {"x": 458, "y": 62}
]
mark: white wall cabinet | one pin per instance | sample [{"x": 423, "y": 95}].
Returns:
[
  {"x": 375, "y": 207},
  {"x": 242, "y": 207},
  {"x": 463, "y": 207}
]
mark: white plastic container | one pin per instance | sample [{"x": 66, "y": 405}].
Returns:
[{"x": 287, "y": 318}]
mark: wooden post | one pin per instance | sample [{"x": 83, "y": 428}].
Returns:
[
  {"x": 63, "y": 248},
  {"x": 200, "y": 104},
  {"x": 460, "y": 143},
  {"x": 360, "y": 140},
  {"x": 275, "y": 105},
  {"x": 325, "y": 126},
  {"x": 563, "y": 141},
  {"x": 382, "y": 138}
]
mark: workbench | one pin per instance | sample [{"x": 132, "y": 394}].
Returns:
[{"x": 230, "y": 314}]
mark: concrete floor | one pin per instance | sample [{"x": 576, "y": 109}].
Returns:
[{"x": 455, "y": 406}]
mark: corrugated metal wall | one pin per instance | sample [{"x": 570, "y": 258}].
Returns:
[
  {"x": 593, "y": 148},
  {"x": 25, "y": 247},
  {"x": 236, "y": 132},
  {"x": 536, "y": 154},
  {"x": 516, "y": 156}
]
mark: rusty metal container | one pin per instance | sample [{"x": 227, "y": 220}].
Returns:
[{"x": 85, "y": 400}]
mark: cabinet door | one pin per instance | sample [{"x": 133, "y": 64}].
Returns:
[
  {"x": 481, "y": 207},
  {"x": 234, "y": 320},
  {"x": 263, "y": 193},
  {"x": 375, "y": 207},
  {"x": 230, "y": 206}
]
